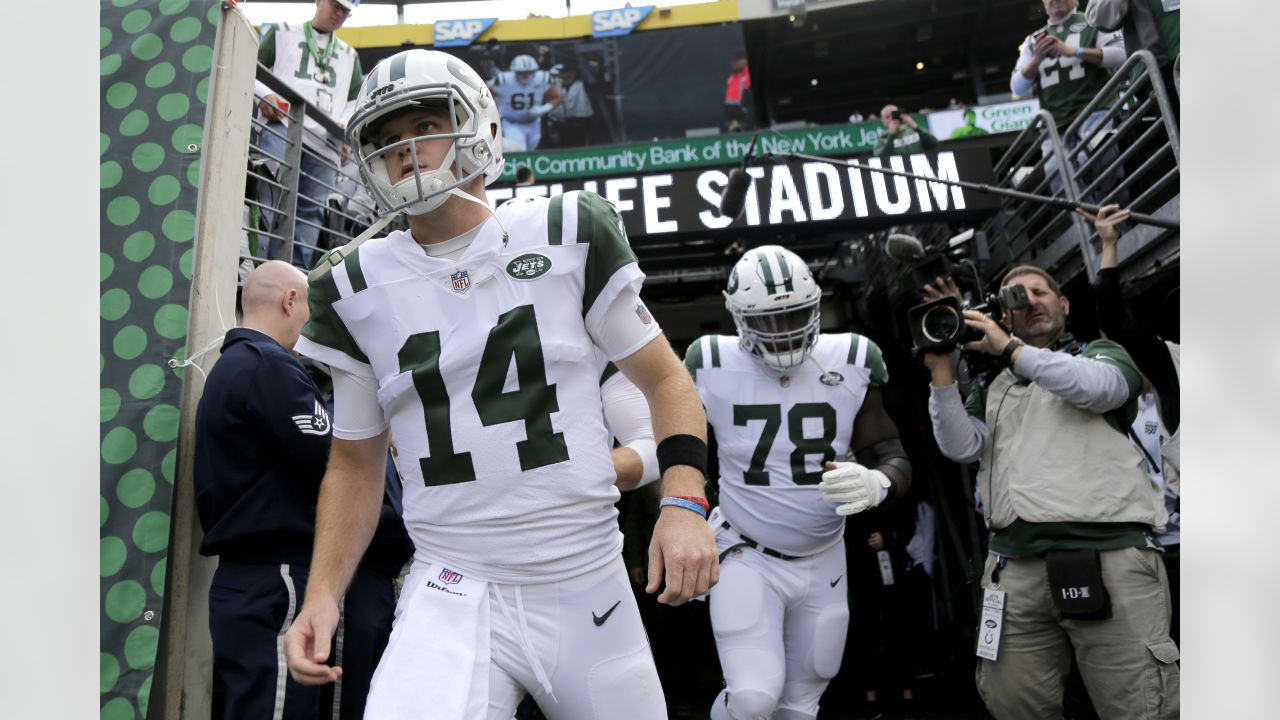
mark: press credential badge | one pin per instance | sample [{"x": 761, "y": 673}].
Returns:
[{"x": 991, "y": 623}]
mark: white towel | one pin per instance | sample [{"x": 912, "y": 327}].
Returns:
[{"x": 436, "y": 664}]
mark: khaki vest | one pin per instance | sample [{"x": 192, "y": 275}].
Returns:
[{"x": 1050, "y": 461}]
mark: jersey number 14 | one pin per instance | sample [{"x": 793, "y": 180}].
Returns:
[{"x": 533, "y": 401}]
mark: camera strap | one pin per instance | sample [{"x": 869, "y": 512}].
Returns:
[{"x": 1075, "y": 579}]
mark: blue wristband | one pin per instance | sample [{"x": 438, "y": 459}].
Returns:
[
  {"x": 1080, "y": 53},
  {"x": 681, "y": 502}
]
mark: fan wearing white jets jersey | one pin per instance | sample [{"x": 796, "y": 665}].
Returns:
[
  {"x": 471, "y": 338},
  {"x": 784, "y": 402},
  {"x": 524, "y": 95}
]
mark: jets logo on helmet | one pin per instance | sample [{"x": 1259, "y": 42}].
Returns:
[
  {"x": 774, "y": 301},
  {"x": 421, "y": 80}
]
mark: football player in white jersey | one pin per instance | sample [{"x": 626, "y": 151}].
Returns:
[
  {"x": 524, "y": 95},
  {"x": 470, "y": 337},
  {"x": 784, "y": 402}
]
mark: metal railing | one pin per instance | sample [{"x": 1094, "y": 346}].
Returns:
[
  {"x": 1124, "y": 148},
  {"x": 303, "y": 195}
]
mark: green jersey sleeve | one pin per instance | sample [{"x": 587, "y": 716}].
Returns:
[
  {"x": 693, "y": 358},
  {"x": 610, "y": 261},
  {"x": 329, "y": 340},
  {"x": 874, "y": 360}
]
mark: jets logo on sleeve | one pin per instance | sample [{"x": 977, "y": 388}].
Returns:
[{"x": 317, "y": 423}]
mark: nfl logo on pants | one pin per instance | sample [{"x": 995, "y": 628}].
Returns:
[
  {"x": 461, "y": 281},
  {"x": 450, "y": 577}
]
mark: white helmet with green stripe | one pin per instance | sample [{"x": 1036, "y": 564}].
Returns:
[
  {"x": 425, "y": 79},
  {"x": 774, "y": 302}
]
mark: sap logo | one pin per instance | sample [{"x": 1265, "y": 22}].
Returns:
[
  {"x": 611, "y": 23},
  {"x": 456, "y": 33}
]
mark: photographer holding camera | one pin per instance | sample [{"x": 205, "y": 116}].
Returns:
[
  {"x": 1073, "y": 566},
  {"x": 901, "y": 136}
]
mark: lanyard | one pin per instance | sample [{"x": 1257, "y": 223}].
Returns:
[{"x": 322, "y": 59}]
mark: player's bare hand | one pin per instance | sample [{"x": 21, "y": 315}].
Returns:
[
  {"x": 306, "y": 644},
  {"x": 875, "y": 541},
  {"x": 683, "y": 551},
  {"x": 940, "y": 287}
]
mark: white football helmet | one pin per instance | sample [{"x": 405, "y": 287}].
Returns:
[
  {"x": 524, "y": 63},
  {"x": 418, "y": 79},
  {"x": 774, "y": 302}
]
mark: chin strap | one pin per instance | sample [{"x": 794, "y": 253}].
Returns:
[
  {"x": 335, "y": 257},
  {"x": 458, "y": 192}
]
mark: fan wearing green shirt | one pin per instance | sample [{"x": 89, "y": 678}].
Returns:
[
  {"x": 901, "y": 136},
  {"x": 1066, "y": 62}
]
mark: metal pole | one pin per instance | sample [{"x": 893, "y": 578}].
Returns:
[
  {"x": 184, "y": 660},
  {"x": 984, "y": 188}
]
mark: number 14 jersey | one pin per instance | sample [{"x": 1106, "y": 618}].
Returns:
[{"x": 486, "y": 376}]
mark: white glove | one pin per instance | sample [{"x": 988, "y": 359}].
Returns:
[
  {"x": 542, "y": 109},
  {"x": 854, "y": 488}
]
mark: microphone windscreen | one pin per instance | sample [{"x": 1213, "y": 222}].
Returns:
[
  {"x": 735, "y": 193},
  {"x": 904, "y": 248}
]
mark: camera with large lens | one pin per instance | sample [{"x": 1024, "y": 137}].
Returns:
[{"x": 938, "y": 326}]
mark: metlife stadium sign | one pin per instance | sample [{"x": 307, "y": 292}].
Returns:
[
  {"x": 791, "y": 193},
  {"x": 612, "y": 23},
  {"x": 460, "y": 33}
]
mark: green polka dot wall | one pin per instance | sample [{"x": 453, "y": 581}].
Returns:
[{"x": 155, "y": 59}]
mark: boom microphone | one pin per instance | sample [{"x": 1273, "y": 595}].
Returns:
[
  {"x": 902, "y": 248},
  {"x": 735, "y": 191}
]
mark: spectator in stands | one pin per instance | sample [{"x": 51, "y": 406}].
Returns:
[
  {"x": 738, "y": 98},
  {"x": 1072, "y": 572},
  {"x": 1157, "y": 360},
  {"x": 1147, "y": 25},
  {"x": 856, "y": 117},
  {"x": 571, "y": 119},
  {"x": 524, "y": 176},
  {"x": 326, "y": 72},
  {"x": 1067, "y": 62},
  {"x": 901, "y": 136},
  {"x": 262, "y": 440}
]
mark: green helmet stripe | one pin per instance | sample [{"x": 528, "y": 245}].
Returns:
[
  {"x": 769, "y": 284},
  {"x": 787, "y": 283}
]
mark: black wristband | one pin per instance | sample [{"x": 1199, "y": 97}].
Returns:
[
  {"x": 1006, "y": 357},
  {"x": 682, "y": 450}
]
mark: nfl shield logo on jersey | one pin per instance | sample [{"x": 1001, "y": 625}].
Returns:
[
  {"x": 450, "y": 577},
  {"x": 461, "y": 281}
]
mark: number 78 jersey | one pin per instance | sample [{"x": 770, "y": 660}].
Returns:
[
  {"x": 775, "y": 431},
  {"x": 486, "y": 375}
]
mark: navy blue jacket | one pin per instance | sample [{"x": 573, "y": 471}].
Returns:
[{"x": 262, "y": 442}]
